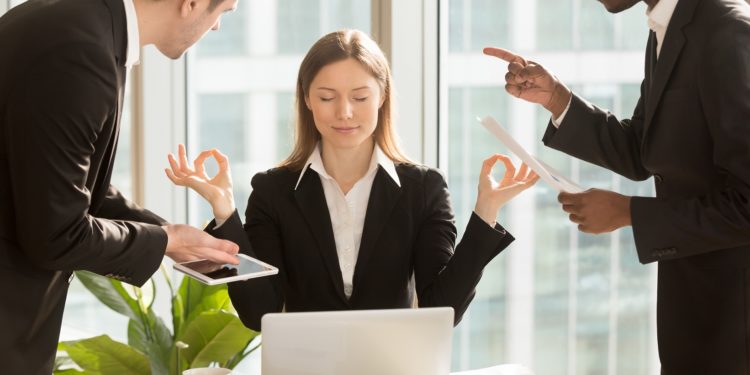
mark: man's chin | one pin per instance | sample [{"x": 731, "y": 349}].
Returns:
[
  {"x": 617, "y": 8},
  {"x": 173, "y": 54}
]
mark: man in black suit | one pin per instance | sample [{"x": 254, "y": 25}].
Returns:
[
  {"x": 63, "y": 66},
  {"x": 691, "y": 131}
]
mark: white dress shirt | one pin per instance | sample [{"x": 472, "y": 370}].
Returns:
[
  {"x": 134, "y": 38},
  {"x": 348, "y": 210},
  {"x": 658, "y": 21}
]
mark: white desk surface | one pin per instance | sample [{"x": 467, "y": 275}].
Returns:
[{"x": 498, "y": 370}]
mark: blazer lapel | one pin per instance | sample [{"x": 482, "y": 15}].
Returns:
[
  {"x": 384, "y": 195},
  {"x": 312, "y": 203},
  {"x": 673, "y": 42}
]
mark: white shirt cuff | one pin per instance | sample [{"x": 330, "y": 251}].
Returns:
[
  {"x": 559, "y": 120},
  {"x": 219, "y": 223}
]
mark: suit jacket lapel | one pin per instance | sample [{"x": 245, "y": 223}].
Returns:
[
  {"x": 384, "y": 195},
  {"x": 673, "y": 42},
  {"x": 312, "y": 203}
]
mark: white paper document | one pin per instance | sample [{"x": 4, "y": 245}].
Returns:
[{"x": 545, "y": 172}]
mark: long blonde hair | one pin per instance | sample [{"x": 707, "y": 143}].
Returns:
[{"x": 334, "y": 47}]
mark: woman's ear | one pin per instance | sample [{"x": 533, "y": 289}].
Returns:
[{"x": 307, "y": 102}]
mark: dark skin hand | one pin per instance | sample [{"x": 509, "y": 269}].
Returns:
[{"x": 597, "y": 211}]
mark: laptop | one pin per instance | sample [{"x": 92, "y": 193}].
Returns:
[{"x": 362, "y": 342}]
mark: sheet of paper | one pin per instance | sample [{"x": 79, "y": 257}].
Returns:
[{"x": 554, "y": 178}]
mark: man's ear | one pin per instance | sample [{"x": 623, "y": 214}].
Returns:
[{"x": 187, "y": 7}]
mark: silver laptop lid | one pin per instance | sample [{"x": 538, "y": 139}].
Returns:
[{"x": 396, "y": 341}]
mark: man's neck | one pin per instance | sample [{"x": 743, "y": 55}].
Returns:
[{"x": 146, "y": 25}]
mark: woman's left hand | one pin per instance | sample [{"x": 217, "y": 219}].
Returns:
[{"x": 494, "y": 195}]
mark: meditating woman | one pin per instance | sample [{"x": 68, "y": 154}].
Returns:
[{"x": 348, "y": 219}]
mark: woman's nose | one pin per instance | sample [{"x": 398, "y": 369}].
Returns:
[{"x": 344, "y": 110}]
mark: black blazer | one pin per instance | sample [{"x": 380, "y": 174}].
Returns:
[
  {"x": 408, "y": 230},
  {"x": 61, "y": 90},
  {"x": 691, "y": 131}
]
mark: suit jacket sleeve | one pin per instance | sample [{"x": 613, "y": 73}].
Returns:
[
  {"x": 117, "y": 207},
  {"x": 57, "y": 115},
  {"x": 720, "y": 218},
  {"x": 255, "y": 297},
  {"x": 597, "y": 136},
  {"x": 444, "y": 277},
  {"x": 670, "y": 228}
]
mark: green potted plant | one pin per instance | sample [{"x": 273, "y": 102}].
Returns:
[{"x": 206, "y": 330}]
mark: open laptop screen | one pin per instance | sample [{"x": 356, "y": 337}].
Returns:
[{"x": 396, "y": 341}]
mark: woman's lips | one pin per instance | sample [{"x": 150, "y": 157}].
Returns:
[{"x": 345, "y": 130}]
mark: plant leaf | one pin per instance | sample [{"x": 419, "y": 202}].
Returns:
[
  {"x": 111, "y": 293},
  {"x": 215, "y": 336},
  {"x": 64, "y": 365},
  {"x": 156, "y": 342},
  {"x": 197, "y": 298},
  {"x": 67, "y": 372},
  {"x": 101, "y": 355}
]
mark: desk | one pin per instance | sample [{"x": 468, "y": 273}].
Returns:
[{"x": 498, "y": 370}]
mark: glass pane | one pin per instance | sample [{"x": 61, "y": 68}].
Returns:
[
  {"x": 230, "y": 41},
  {"x": 596, "y": 27},
  {"x": 555, "y": 25},
  {"x": 241, "y": 84},
  {"x": 475, "y": 24},
  {"x": 585, "y": 305},
  {"x": 489, "y": 23}
]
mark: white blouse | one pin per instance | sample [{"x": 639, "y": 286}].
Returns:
[{"x": 348, "y": 211}]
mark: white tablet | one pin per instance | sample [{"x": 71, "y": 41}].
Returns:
[{"x": 212, "y": 273}]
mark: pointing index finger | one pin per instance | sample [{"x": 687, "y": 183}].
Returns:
[{"x": 505, "y": 55}]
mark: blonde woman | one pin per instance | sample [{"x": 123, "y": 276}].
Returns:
[{"x": 347, "y": 218}]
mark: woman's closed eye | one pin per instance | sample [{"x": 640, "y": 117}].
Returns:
[
  {"x": 361, "y": 99},
  {"x": 326, "y": 98}
]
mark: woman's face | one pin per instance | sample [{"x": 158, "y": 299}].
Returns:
[{"x": 344, "y": 99}]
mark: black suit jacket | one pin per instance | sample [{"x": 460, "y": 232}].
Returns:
[
  {"x": 691, "y": 131},
  {"x": 408, "y": 230},
  {"x": 61, "y": 90}
]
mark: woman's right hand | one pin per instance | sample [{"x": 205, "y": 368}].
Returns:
[{"x": 216, "y": 190}]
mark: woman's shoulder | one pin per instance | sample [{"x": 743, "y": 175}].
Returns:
[
  {"x": 420, "y": 174},
  {"x": 275, "y": 178}
]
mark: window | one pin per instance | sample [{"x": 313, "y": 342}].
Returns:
[{"x": 559, "y": 301}]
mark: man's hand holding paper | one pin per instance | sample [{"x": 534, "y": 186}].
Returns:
[{"x": 595, "y": 211}]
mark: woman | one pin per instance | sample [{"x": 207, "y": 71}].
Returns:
[{"x": 347, "y": 218}]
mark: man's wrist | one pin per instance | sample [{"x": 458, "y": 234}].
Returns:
[
  {"x": 559, "y": 100},
  {"x": 625, "y": 211}
]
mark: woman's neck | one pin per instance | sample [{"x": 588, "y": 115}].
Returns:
[{"x": 347, "y": 166}]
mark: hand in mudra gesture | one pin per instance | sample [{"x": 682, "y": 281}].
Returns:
[{"x": 217, "y": 190}]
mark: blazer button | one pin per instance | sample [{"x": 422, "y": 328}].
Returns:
[{"x": 658, "y": 178}]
